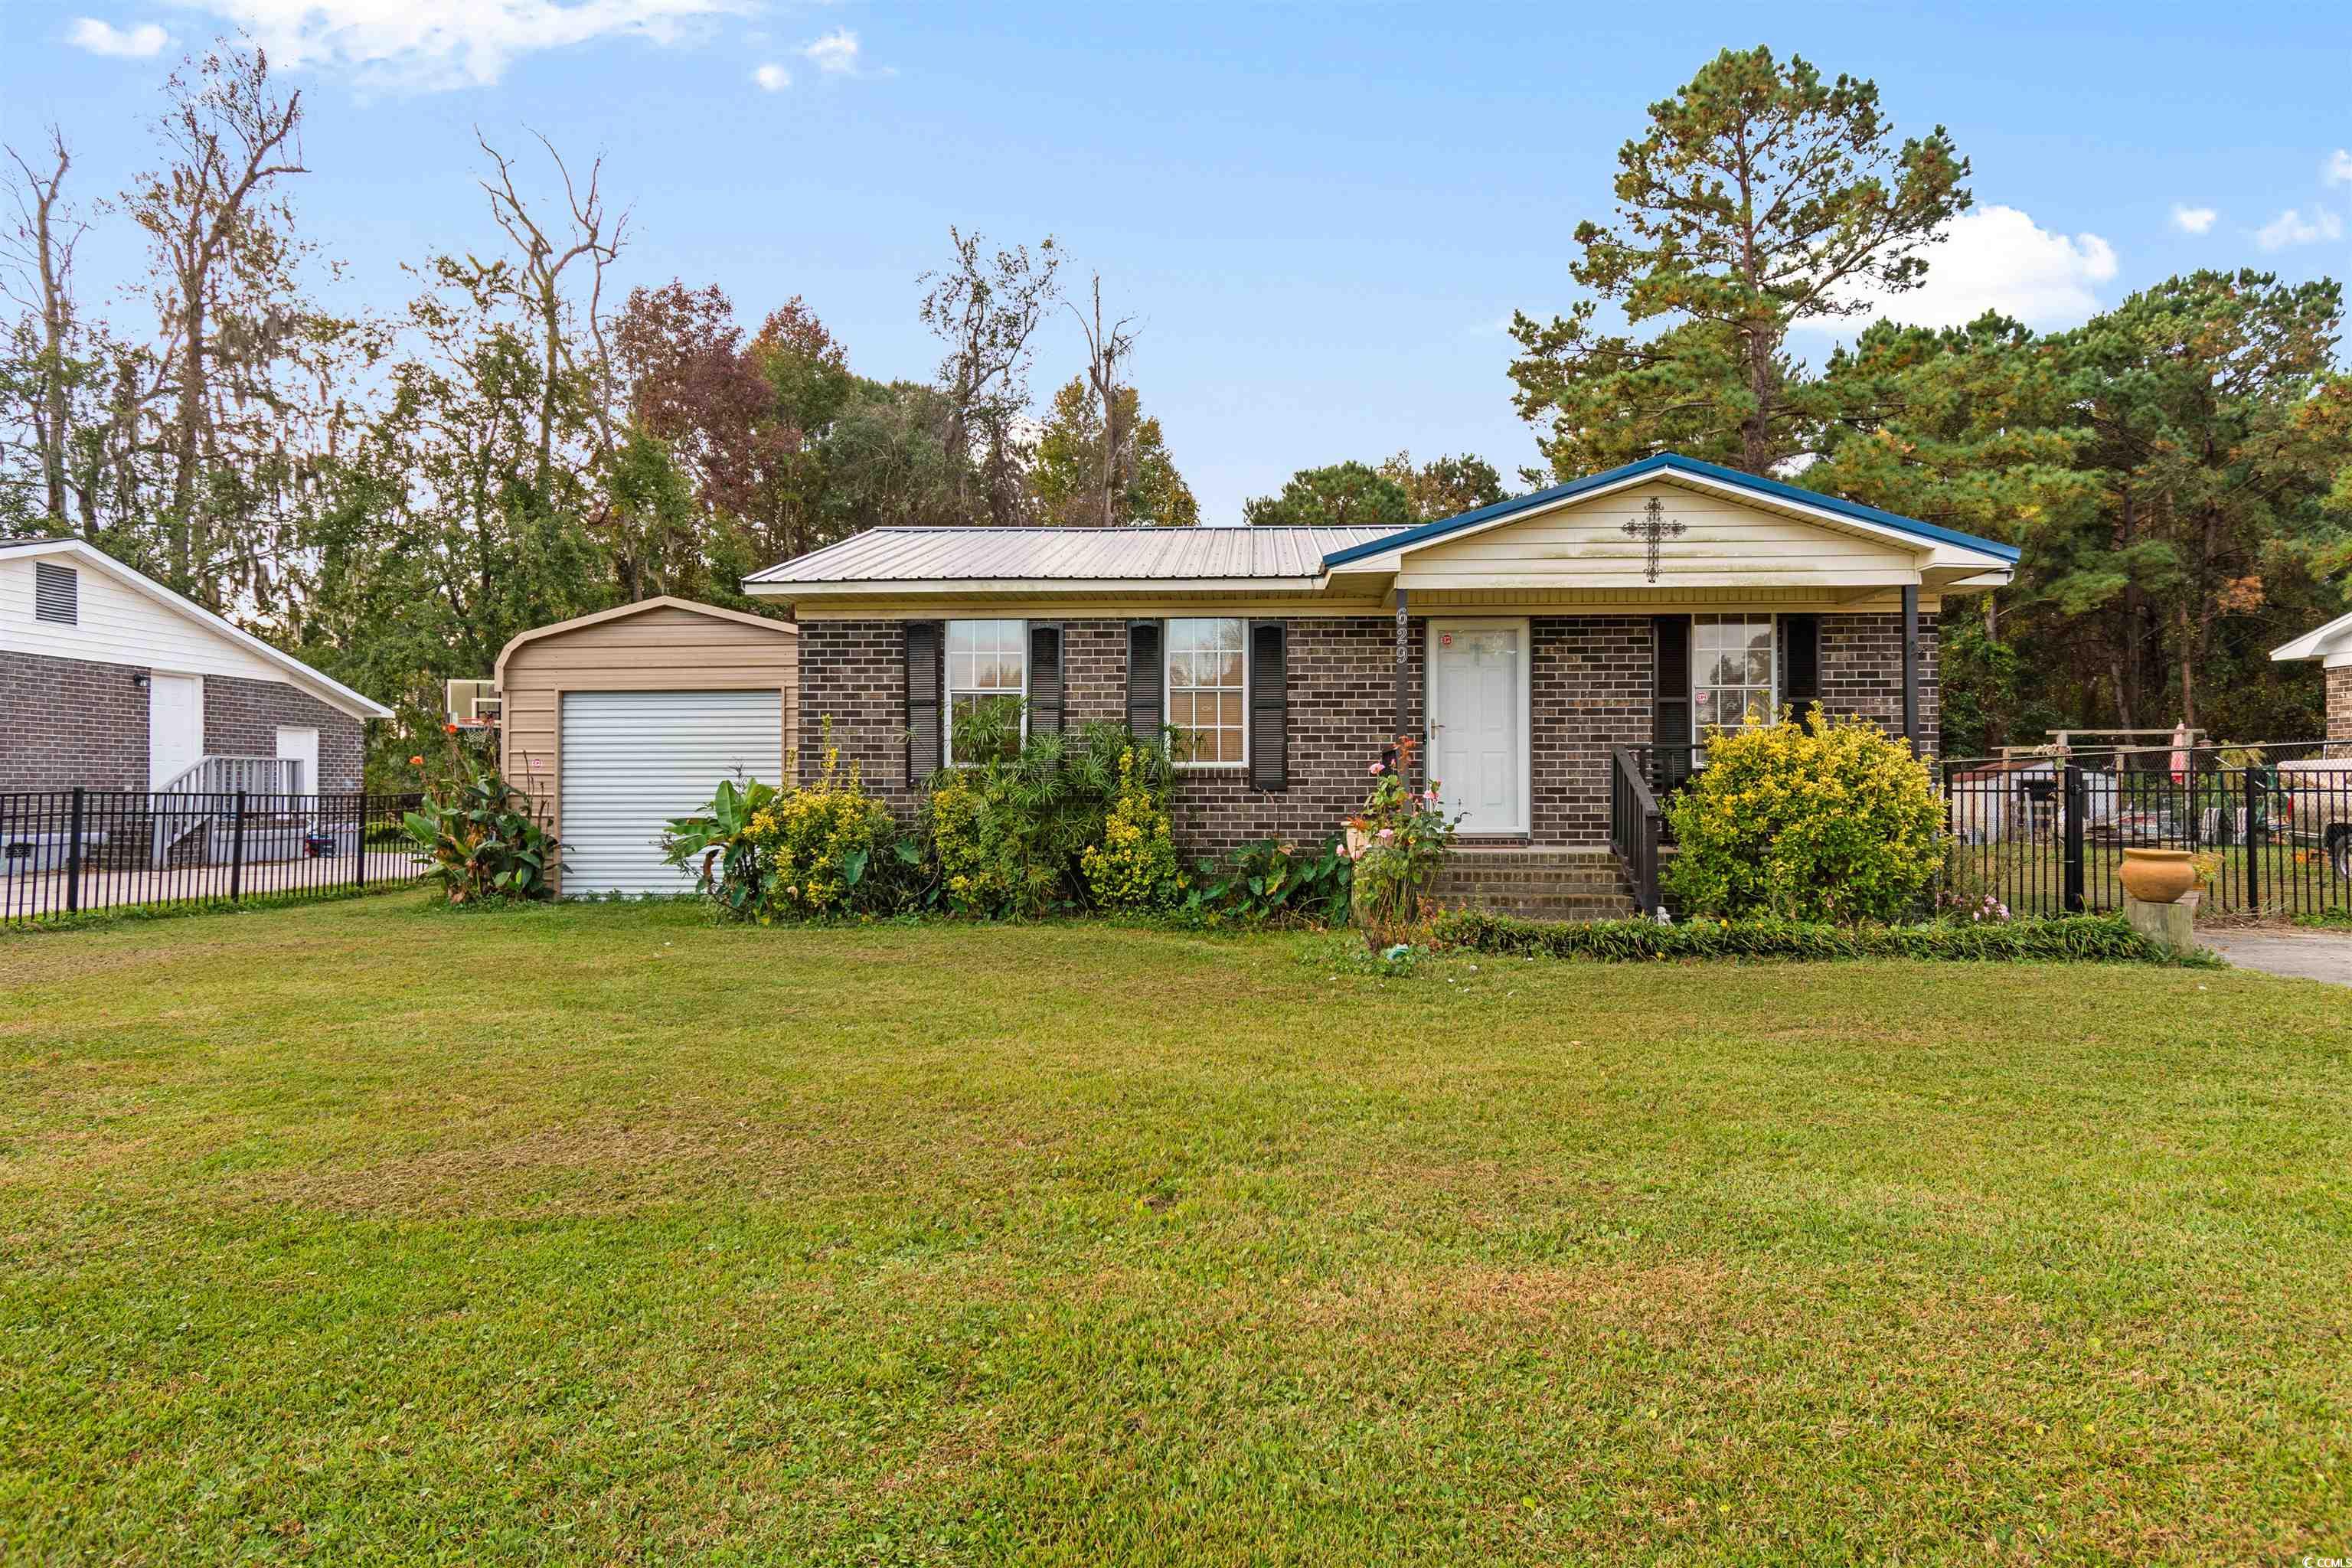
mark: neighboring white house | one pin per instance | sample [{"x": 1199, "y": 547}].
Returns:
[
  {"x": 2332, "y": 646},
  {"x": 110, "y": 681}
]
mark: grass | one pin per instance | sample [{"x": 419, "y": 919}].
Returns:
[{"x": 368, "y": 1233}]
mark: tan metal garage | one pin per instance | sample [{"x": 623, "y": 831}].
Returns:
[{"x": 617, "y": 721}]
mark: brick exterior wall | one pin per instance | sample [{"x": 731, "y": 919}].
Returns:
[
  {"x": 1589, "y": 681},
  {"x": 1861, "y": 672},
  {"x": 66, "y": 722},
  {"x": 241, "y": 717}
]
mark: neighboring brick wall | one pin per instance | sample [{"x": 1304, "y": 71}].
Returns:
[
  {"x": 67, "y": 721},
  {"x": 241, "y": 717},
  {"x": 2339, "y": 704},
  {"x": 1589, "y": 681},
  {"x": 1861, "y": 672}
]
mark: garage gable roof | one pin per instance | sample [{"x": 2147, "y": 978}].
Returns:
[{"x": 622, "y": 612}]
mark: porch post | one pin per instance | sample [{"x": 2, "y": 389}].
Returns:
[
  {"x": 1911, "y": 666},
  {"x": 1403, "y": 639}
]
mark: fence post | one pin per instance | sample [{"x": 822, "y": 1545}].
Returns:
[
  {"x": 236, "y": 854},
  {"x": 2254, "y": 834},
  {"x": 2077, "y": 805},
  {"x": 73, "y": 857},
  {"x": 358, "y": 846}
]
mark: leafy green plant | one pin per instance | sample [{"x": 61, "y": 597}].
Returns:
[
  {"x": 764, "y": 852},
  {"x": 1400, "y": 842},
  {"x": 2087, "y": 939},
  {"x": 1009, "y": 835},
  {"x": 1830, "y": 820},
  {"x": 1271, "y": 882},
  {"x": 478, "y": 833}
]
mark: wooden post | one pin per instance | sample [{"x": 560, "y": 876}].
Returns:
[
  {"x": 1911, "y": 666},
  {"x": 1403, "y": 642}
]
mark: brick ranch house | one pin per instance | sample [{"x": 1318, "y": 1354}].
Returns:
[
  {"x": 1543, "y": 646},
  {"x": 109, "y": 681}
]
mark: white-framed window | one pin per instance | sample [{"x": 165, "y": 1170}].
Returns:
[
  {"x": 1208, "y": 691},
  {"x": 1734, "y": 678},
  {"x": 988, "y": 663}
]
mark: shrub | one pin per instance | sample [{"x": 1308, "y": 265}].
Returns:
[
  {"x": 477, "y": 831},
  {"x": 2094, "y": 939},
  {"x": 1009, "y": 834},
  {"x": 830, "y": 848},
  {"x": 1830, "y": 821},
  {"x": 1134, "y": 867},
  {"x": 1405, "y": 841},
  {"x": 1268, "y": 881}
]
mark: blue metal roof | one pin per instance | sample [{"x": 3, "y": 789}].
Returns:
[{"x": 1669, "y": 462}]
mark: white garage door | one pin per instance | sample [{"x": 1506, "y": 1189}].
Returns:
[{"x": 633, "y": 760}]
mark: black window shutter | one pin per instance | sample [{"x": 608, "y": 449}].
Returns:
[
  {"x": 1269, "y": 705},
  {"x": 1044, "y": 678},
  {"x": 1145, "y": 681},
  {"x": 1801, "y": 640},
  {"x": 1670, "y": 697},
  {"x": 924, "y": 732}
]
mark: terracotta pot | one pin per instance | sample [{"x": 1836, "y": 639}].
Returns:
[{"x": 2159, "y": 876}]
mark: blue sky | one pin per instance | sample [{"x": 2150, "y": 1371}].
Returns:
[{"x": 1322, "y": 214}]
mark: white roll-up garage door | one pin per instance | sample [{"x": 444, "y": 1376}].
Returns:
[{"x": 633, "y": 760}]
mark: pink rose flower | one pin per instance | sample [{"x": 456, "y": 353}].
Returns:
[
  {"x": 1388, "y": 833},
  {"x": 1375, "y": 769}
]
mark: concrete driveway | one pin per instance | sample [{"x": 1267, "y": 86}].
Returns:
[{"x": 2286, "y": 950}]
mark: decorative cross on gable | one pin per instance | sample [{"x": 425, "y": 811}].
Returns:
[{"x": 1653, "y": 526}]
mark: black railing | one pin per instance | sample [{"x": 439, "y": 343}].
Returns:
[
  {"x": 2270, "y": 823},
  {"x": 78, "y": 851},
  {"x": 1635, "y": 828}
]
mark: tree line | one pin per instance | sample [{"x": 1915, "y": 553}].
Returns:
[{"x": 393, "y": 497}]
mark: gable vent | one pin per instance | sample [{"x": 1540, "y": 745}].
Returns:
[{"x": 57, "y": 594}]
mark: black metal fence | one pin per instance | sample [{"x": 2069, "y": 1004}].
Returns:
[
  {"x": 2046, "y": 835},
  {"x": 75, "y": 851},
  {"x": 2270, "y": 823}
]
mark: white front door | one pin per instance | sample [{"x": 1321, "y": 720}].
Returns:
[
  {"x": 176, "y": 726},
  {"x": 298, "y": 744},
  {"x": 1478, "y": 723}
]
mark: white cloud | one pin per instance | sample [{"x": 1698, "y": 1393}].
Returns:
[
  {"x": 1997, "y": 258},
  {"x": 2292, "y": 227},
  {"x": 433, "y": 44},
  {"x": 141, "y": 42},
  {"x": 2337, "y": 168},
  {"x": 2192, "y": 220},
  {"x": 835, "y": 54},
  {"x": 772, "y": 77}
]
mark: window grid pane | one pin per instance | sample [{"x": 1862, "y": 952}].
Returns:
[
  {"x": 1734, "y": 674},
  {"x": 1206, "y": 684},
  {"x": 987, "y": 661}
]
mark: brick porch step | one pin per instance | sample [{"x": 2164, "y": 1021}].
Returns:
[{"x": 1576, "y": 883}]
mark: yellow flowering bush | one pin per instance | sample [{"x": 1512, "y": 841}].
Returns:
[
  {"x": 1836, "y": 822},
  {"x": 761, "y": 852},
  {"x": 818, "y": 845},
  {"x": 1134, "y": 867}
]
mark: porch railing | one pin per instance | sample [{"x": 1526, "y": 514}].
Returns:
[{"x": 1635, "y": 827}]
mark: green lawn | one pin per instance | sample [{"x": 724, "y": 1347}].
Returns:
[{"x": 369, "y": 1233}]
